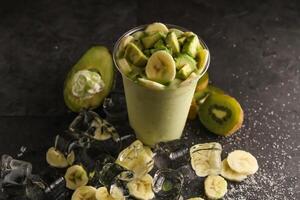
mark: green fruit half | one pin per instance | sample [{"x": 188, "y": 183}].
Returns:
[
  {"x": 97, "y": 61},
  {"x": 221, "y": 114}
]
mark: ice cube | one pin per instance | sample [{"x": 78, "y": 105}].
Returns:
[
  {"x": 206, "y": 158},
  {"x": 174, "y": 149},
  {"x": 171, "y": 154},
  {"x": 167, "y": 184},
  {"x": 187, "y": 172},
  {"x": 14, "y": 175},
  {"x": 136, "y": 157},
  {"x": 109, "y": 172},
  {"x": 90, "y": 124},
  {"x": 115, "y": 106},
  {"x": 57, "y": 190}
]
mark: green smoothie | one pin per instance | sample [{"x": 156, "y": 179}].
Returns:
[{"x": 160, "y": 67}]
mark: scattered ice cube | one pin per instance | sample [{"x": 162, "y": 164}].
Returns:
[
  {"x": 14, "y": 175},
  {"x": 167, "y": 184},
  {"x": 170, "y": 154},
  {"x": 115, "y": 106},
  {"x": 136, "y": 157},
  {"x": 109, "y": 172},
  {"x": 57, "y": 190}
]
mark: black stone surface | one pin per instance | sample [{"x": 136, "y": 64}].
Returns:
[{"x": 255, "y": 50}]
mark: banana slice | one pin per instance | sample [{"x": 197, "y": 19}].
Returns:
[
  {"x": 103, "y": 194},
  {"x": 151, "y": 84},
  {"x": 161, "y": 67},
  {"x": 123, "y": 43},
  {"x": 206, "y": 158},
  {"x": 71, "y": 158},
  {"x": 157, "y": 27},
  {"x": 195, "y": 198},
  {"x": 124, "y": 66},
  {"x": 215, "y": 187},
  {"x": 203, "y": 55},
  {"x": 137, "y": 158},
  {"x": 84, "y": 193},
  {"x": 103, "y": 129},
  {"x": 229, "y": 174},
  {"x": 75, "y": 177},
  {"x": 56, "y": 159},
  {"x": 141, "y": 188},
  {"x": 116, "y": 193},
  {"x": 242, "y": 162}
]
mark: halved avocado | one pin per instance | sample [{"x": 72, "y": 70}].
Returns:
[{"x": 96, "y": 59}]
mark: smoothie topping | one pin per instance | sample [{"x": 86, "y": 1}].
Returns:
[
  {"x": 159, "y": 55},
  {"x": 87, "y": 83}
]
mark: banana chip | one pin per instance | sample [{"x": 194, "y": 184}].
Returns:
[
  {"x": 75, "y": 177},
  {"x": 84, "y": 193},
  {"x": 141, "y": 188}
]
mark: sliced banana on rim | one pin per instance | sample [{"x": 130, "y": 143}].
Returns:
[
  {"x": 206, "y": 158},
  {"x": 55, "y": 158},
  {"x": 242, "y": 162},
  {"x": 161, "y": 67},
  {"x": 151, "y": 84},
  {"x": 229, "y": 174},
  {"x": 215, "y": 187},
  {"x": 141, "y": 188},
  {"x": 156, "y": 27},
  {"x": 75, "y": 177},
  {"x": 103, "y": 194},
  {"x": 137, "y": 158},
  {"x": 123, "y": 43},
  {"x": 84, "y": 193}
]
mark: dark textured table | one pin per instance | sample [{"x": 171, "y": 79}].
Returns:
[{"x": 255, "y": 50}]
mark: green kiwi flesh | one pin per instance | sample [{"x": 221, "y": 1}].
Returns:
[{"x": 221, "y": 114}]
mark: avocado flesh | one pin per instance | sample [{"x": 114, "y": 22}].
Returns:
[{"x": 96, "y": 59}]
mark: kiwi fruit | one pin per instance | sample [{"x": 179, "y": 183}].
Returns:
[
  {"x": 96, "y": 59},
  {"x": 203, "y": 82},
  {"x": 221, "y": 114},
  {"x": 200, "y": 96}
]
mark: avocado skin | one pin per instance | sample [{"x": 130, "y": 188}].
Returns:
[{"x": 98, "y": 59}]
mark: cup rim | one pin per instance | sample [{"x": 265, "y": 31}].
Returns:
[{"x": 142, "y": 27}]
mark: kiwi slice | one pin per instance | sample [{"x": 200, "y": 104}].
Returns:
[
  {"x": 98, "y": 60},
  {"x": 221, "y": 114},
  {"x": 200, "y": 96},
  {"x": 203, "y": 82}
]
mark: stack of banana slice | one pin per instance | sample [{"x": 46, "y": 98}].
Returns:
[
  {"x": 238, "y": 165},
  {"x": 206, "y": 161}
]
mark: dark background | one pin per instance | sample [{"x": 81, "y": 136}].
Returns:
[{"x": 255, "y": 49}]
